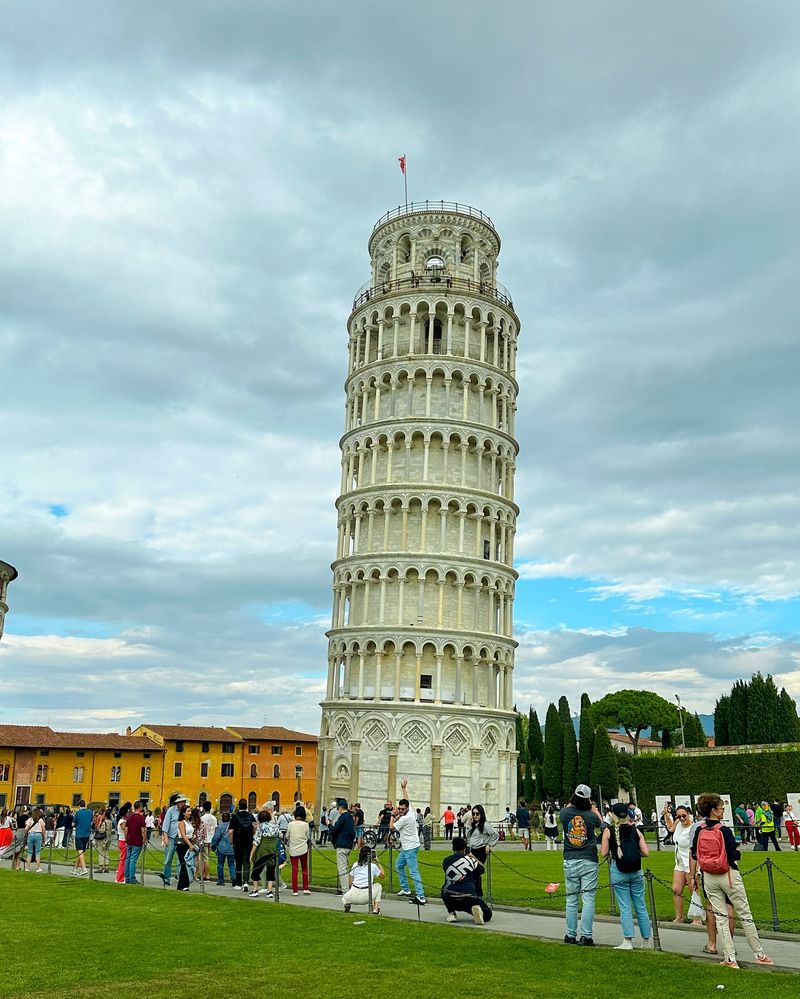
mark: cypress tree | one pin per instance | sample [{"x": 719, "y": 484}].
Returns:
[
  {"x": 772, "y": 699},
  {"x": 605, "y": 773},
  {"x": 522, "y": 740},
  {"x": 569, "y": 765},
  {"x": 737, "y": 725},
  {"x": 586, "y": 741},
  {"x": 721, "y": 721},
  {"x": 538, "y": 793},
  {"x": 790, "y": 724},
  {"x": 528, "y": 788},
  {"x": 535, "y": 739},
  {"x": 693, "y": 730},
  {"x": 553, "y": 753},
  {"x": 758, "y": 706}
]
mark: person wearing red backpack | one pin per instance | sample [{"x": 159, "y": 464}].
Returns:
[{"x": 715, "y": 853}]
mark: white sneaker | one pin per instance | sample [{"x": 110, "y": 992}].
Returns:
[
  {"x": 264, "y": 891},
  {"x": 252, "y": 894},
  {"x": 306, "y": 891},
  {"x": 404, "y": 891},
  {"x": 451, "y": 917},
  {"x": 625, "y": 945},
  {"x": 477, "y": 915},
  {"x": 647, "y": 943}
]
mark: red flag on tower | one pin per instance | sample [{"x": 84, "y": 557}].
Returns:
[{"x": 402, "y": 162}]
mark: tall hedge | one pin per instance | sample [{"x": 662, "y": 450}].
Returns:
[{"x": 745, "y": 776}]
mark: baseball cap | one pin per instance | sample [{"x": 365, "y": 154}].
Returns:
[
  {"x": 583, "y": 791},
  {"x": 620, "y": 809}
]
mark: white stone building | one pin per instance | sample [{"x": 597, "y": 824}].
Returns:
[
  {"x": 421, "y": 653},
  {"x": 7, "y": 575}
]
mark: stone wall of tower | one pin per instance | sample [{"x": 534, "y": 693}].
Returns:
[{"x": 421, "y": 651}]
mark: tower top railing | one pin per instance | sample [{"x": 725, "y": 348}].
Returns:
[
  {"x": 420, "y": 207},
  {"x": 441, "y": 283}
]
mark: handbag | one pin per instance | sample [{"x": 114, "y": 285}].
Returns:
[{"x": 696, "y": 907}]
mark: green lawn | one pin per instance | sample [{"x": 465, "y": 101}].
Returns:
[
  {"x": 519, "y": 878},
  {"x": 87, "y": 939}
]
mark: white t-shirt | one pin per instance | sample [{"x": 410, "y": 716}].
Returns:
[
  {"x": 121, "y": 830},
  {"x": 406, "y": 827},
  {"x": 209, "y": 821},
  {"x": 682, "y": 837},
  {"x": 360, "y": 872}
]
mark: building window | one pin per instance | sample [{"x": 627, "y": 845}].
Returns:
[
  {"x": 41, "y": 773},
  {"x": 426, "y": 681},
  {"x": 277, "y": 750},
  {"x": 144, "y": 797},
  {"x": 298, "y": 771},
  {"x": 252, "y": 801},
  {"x": 3, "y": 800},
  {"x": 227, "y": 747},
  {"x": 77, "y": 775},
  {"x": 204, "y": 769},
  {"x": 146, "y": 756},
  {"x": 298, "y": 750},
  {"x": 116, "y": 775},
  {"x": 40, "y": 799},
  {"x": 227, "y": 770},
  {"x": 202, "y": 799},
  {"x": 487, "y": 550},
  {"x": 117, "y": 756},
  {"x": 145, "y": 775},
  {"x": 253, "y": 770},
  {"x": 177, "y": 770},
  {"x": 4, "y": 769},
  {"x": 205, "y": 747},
  {"x": 44, "y": 752},
  {"x": 179, "y": 746},
  {"x": 80, "y": 755},
  {"x": 254, "y": 750},
  {"x": 76, "y": 800},
  {"x": 276, "y": 770},
  {"x": 113, "y": 799}
]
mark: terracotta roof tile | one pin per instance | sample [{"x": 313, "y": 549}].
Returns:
[
  {"x": 273, "y": 733},
  {"x": 43, "y": 737},
  {"x": 193, "y": 733},
  {"x": 29, "y": 737}
]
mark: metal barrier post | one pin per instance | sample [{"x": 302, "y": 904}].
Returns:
[
  {"x": 489, "y": 878},
  {"x": 611, "y": 888},
  {"x": 277, "y": 881},
  {"x": 142, "y": 856},
  {"x": 773, "y": 900},
  {"x": 651, "y": 896},
  {"x": 91, "y": 861},
  {"x": 310, "y": 861},
  {"x": 658, "y": 839},
  {"x": 391, "y": 867},
  {"x": 369, "y": 882},
  {"x": 49, "y": 857}
]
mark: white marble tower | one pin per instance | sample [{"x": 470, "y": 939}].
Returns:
[{"x": 421, "y": 653}]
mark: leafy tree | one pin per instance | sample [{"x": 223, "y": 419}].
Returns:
[
  {"x": 636, "y": 710},
  {"x": 737, "y": 713},
  {"x": 553, "y": 753},
  {"x": 585, "y": 740},
  {"x": 569, "y": 764},
  {"x": 538, "y": 793},
  {"x": 535, "y": 740},
  {"x": 693, "y": 731},
  {"x": 722, "y": 710},
  {"x": 759, "y": 722},
  {"x": 667, "y": 738},
  {"x": 605, "y": 772},
  {"x": 790, "y": 724},
  {"x": 528, "y": 787}
]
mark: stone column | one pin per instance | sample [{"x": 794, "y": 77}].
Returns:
[
  {"x": 502, "y": 782},
  {"x": 391, "y": 783},
  {"x": 436, "y": 781},
  {"x": 475, "y": 788},
  {"x": 355, "y": 768}
]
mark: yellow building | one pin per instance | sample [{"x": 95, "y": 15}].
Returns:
[
  {"x": 39, "y": 766},
  {"x": 279, "y": 765}
]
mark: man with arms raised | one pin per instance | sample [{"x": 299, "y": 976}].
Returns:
[{"x": 404, "y": 823}]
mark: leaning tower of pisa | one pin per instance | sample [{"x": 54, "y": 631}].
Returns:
[{"x": 421, "y": 653}]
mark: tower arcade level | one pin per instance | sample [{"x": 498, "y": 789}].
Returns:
[{"x": 421, "y": 653}]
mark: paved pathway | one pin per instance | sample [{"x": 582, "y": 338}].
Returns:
[{"x": 783, "y": 948}]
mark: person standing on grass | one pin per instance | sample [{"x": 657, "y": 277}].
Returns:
[
  {"x": 580, "y": 820},
  {"x": 404, "y": 823},
  {"x": 765, "y": 824},
  {"x": 223, "y": 848},
  {"x": 624, "y": 842},
  {"x": 481, "y": 837},
  {"x": 524, "y": 825},
  {"x": 103, "y": 830},
  {"x": 169, "y": 834},
  {"x": 17, "y": 847},
  {"x": 551, "y": 828},
  {"x": 298, "y": 834},
  {"x": 34, "y": 828},
  {"x": 149, "y": 824},
  {"x": 122, "y": 825},
  {"x": 82, "y": 820},
  {"x": 343, "y": 836},
  {"x": 135, "y": 840},
  {"x": 792, "y": 822},
  {"x": 448, "y": 817},
  {"x": 714, "y": 852},
  {"x": 460, "y": 890},
  {"x": 209, "y": 820},
  {"x": 681, "y": 828},
  {"x": 427, "y": 828},
  {"x": 240, "y": 833},
  {"x": 186, "y": 845},
  {"x": 68, "y": 823},
  {"x": 358, "y": 892}
]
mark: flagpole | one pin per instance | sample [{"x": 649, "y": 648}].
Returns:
[{"x": 405, "y": 181}]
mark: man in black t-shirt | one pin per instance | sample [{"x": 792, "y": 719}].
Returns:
[
  {"x": 240, "y": 833},
  {"x": 459, "y": 892},
  {"x": 384, "y": 818}
]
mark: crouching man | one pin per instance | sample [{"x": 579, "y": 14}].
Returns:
[{"x": 459, "y": 892}]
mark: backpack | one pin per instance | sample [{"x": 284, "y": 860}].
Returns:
[
  {"x": 625, "y": 852},
  {"x": 99, "y": 819},
  {"x": 711, "y": 854}
]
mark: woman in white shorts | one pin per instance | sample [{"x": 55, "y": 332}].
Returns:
[
  {"x": 358, "y": 893},
  {"x": 682, "y": 830}
]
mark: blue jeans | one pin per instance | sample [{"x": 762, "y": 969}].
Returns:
[
  {"x": 580, "y": 876},
  {"x": 221, "y": 858},
  {"x": 130, "y": 864},
  {"x": 629, "y": 890},
  {"x": 408, "y": 859},
  {"x": 35, "y": 847},
  {"x": 169, "y": 855},
  {"x": 67, "y": 838}
]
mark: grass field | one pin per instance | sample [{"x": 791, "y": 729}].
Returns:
[
  {"x": 519, "y": 878},
  {"x": 70, "y": 937}
]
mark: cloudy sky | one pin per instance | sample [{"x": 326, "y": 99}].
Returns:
[{"x": 186, "y": 192}]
